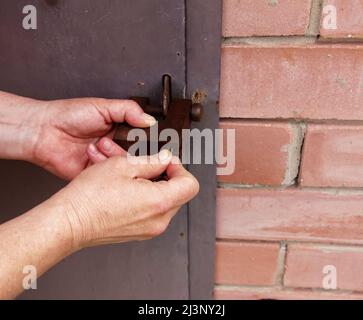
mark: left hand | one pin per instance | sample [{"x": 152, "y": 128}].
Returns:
[{"x": 69, "y": 128}]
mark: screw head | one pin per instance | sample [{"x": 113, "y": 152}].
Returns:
[{"x": 196, "y": 113}]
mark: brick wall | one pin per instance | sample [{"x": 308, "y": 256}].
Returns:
[{"x": 290, "y": 219}]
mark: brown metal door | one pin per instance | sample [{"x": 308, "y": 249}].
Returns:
[{"x": 111, "y": 49}]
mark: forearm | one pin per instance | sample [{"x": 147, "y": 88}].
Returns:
[
  {"x": 41, "y": 238},
  {"x": 20, "y": 120}
]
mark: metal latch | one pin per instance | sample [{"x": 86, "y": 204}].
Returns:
[{"x": 172, "y": 113}]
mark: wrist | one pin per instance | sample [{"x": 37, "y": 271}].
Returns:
[
  {"x": 61, "y": 213},
  {"x": 71, "y": 214},
  {"x": 20, "y": 124}
]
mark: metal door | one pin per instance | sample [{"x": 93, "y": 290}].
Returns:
[{"x": 116, "y": 49}]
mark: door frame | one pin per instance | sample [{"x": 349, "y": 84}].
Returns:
[{"x": 203, "y": 49}]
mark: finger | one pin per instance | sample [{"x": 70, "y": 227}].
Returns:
[
  {"x": 126, "y": 110},
  {"x": 94, "y": 155},
  {"x": 181, "y": 186},
  {"x": 149, "y": 167},
  {"x": 110, "y": 148}
]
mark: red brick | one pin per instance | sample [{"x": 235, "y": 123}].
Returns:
[
  {"x": 333, "y": 156},
  {"x": 290, "y": 214},
  {"x": 261, "y": 152},
  {"x": 225, "y": 293},
  {"x": 313, "y": 81},
  {"x": 349, "y": 19},
  {"x": 265, "y": 17},
  {"x": 246, "y": 263},
  {"x": 305, "y": 266}
]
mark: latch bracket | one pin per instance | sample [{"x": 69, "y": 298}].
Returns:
[{"x": 174, "y": 114}]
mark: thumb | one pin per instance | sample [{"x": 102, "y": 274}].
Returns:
[{"x": 149, "y": 167}]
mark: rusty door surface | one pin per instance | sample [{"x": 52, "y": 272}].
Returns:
[{"x": 116, "y": 49}]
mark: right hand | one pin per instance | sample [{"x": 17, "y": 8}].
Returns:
[{"x": 115, "y": 200}]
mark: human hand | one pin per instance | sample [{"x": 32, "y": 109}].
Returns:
[
  {"x": 68, "y": 127},
  {"x": 115, "y": 200}
]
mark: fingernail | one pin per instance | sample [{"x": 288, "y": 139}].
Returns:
[
  {"x": 165, "y": 155},
  {"x": 107, "y": 145},
  {"x": 150, "y": 120},
  {"x": 93, "y": 149}
]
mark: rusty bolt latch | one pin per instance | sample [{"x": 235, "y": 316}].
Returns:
[{"x": 174, "y": 114}]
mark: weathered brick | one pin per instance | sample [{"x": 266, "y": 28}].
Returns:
[
  {"x": 312, "y": 81},
  {"x": 246, "y": 263},
  {"x": 305, "y": 267},
  {"x": 225, "y": 293},
  {"x": 290, "y": 214},
  {"x": 349, "y": 19},
  {"x": 265, "y": 153},
  {"x": 332, "y": 156},
  {"x": 265, "y": 17}
]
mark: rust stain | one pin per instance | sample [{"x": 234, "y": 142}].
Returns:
[{"x": 199, "y": 96}]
